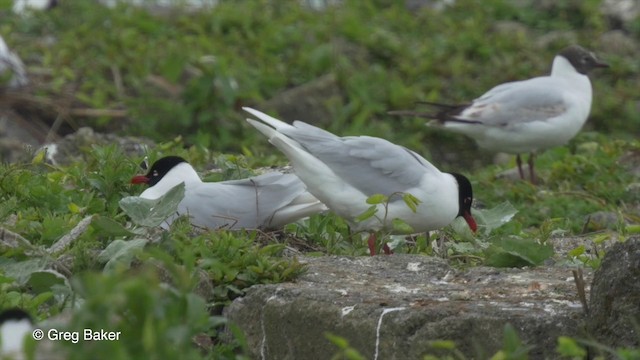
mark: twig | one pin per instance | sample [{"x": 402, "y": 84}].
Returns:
[
  {"x": 117, "y": 80},
  {"x": 74, "y": 234},
  {"x": 117, "y": 113},
  {"x": 584, "y": 195},
  {"x": 53, "y": 130},
  {"x": 13, "y": 240},
  {"x": 577, "y": 276}
]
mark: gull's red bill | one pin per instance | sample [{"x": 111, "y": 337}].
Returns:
[{"x": 139, "y": 179}]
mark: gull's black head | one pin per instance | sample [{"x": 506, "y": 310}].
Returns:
[
  {"x": 465, "y": 199},
  {"x": 14, "y": 314},
  {"x": 158, "y": 170},
  {"x": 581, "y": 59}
]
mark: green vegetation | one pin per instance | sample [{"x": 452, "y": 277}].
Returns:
[
  {"x": 512, "y": 349},
  {"x": 69, "y": 243}
]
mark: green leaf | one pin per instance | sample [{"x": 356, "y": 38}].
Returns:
[
  {"x": 411, "y": 201},
  {"x": 376, "y": 199},
  {"x": 569, "y": 348},
  {"x": 495, "y": 217},
  {"x": 109, "y": 227},
  {"x": 39, "y": 157},
  {"x": 577, "y": 251},
  {"x": 401, "y": 227},
  {"x": 338, "y": 341},
  {"x": 152, "y": 213},
  {"x": 43, "y": 281},
  {"x": 21, "y": 271},
  {"x": 442, "y": 344},
  {"x": 370, "y": 212},
  {"x": 511, "y": 342},
  {"x": 120, "y": 252},
  {"x": 518, "y": 252}
]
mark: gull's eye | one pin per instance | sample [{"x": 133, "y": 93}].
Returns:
[{"x": 155, "y": 172}]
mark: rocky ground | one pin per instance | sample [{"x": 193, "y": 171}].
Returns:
[{"x": 393, "y": 307}]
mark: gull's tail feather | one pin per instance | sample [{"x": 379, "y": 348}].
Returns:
[{"x": 442, "y": 113}]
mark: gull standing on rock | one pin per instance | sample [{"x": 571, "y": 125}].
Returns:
[{"x": 529, "y": 115}]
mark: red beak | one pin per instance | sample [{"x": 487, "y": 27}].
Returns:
[
  {"x": 470, "y": 221},
  {"x": 139, "y": 179}
]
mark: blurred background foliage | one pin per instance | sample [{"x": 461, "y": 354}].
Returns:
[{"x": 188, "y": 72}]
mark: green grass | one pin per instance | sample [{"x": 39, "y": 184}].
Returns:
[
  {"x": 131, "y": 276},
  {"x": 382, "y": 56}
]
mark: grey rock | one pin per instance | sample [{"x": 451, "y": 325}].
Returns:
[
  {"x": 437, "y": 5},
  {"x": 619, "y": 43},
  {"x": 615, "y": 297},
  {"x": 600, "y": 220},
  {"x": 19, "y": 137},
  {"x": 513, "y": 174},
  {"x": 631, "y": 162},
  {"x": 311, "y": 102},
  {"x": 511, "y": 27},
  {"x": 621, "y": 12},
  {"x": 391, "y": 307},
  {"x": 554, "y": 39},
  {"x": 73, "y": 146}
]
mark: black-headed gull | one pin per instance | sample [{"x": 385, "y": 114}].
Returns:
[
  {"x": 267, "y": 201},
  {"x": 343, "y": 172},
  {"x": 15, "y": 326},
  {"x": 529, "y": 115}
]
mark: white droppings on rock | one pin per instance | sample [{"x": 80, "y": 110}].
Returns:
[
  {"x": 395, "y": 288},
  {"x": 448, "y": 276},
  {"x": 263, "y": 343},
  {"x": 385, "y": 311},
  {"x": 461, "y": 295},
  {"x": 440, "y": 282},
  {"x": 346, "y": 310},
  {"x": 414, "y": 266}
]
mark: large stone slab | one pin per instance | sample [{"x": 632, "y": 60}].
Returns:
[
  {"x": 615, "y": 299},
  {"x": 391, "y": 307}
]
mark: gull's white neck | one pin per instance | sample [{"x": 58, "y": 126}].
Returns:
[
  {"x": 12, "y": 335},
  {"x": 562, "y": 67},
  {"x": 579, "y": 83}
]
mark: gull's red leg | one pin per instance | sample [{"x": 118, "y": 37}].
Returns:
[
  {"x": 519, "y": 162},
  {"x": 372, "y": 244}
]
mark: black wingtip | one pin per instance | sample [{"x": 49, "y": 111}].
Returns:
[
  {"x": 442, "y": 112},
  {"x": 411, "y": 113},
  {"x": 441, "y": 105}
]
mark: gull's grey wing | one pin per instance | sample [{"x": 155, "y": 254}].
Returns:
[
  {"x": 246, "y": 203},
  {"x": 516, "y": 103},
  {"x": 371, "y": 165}
]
